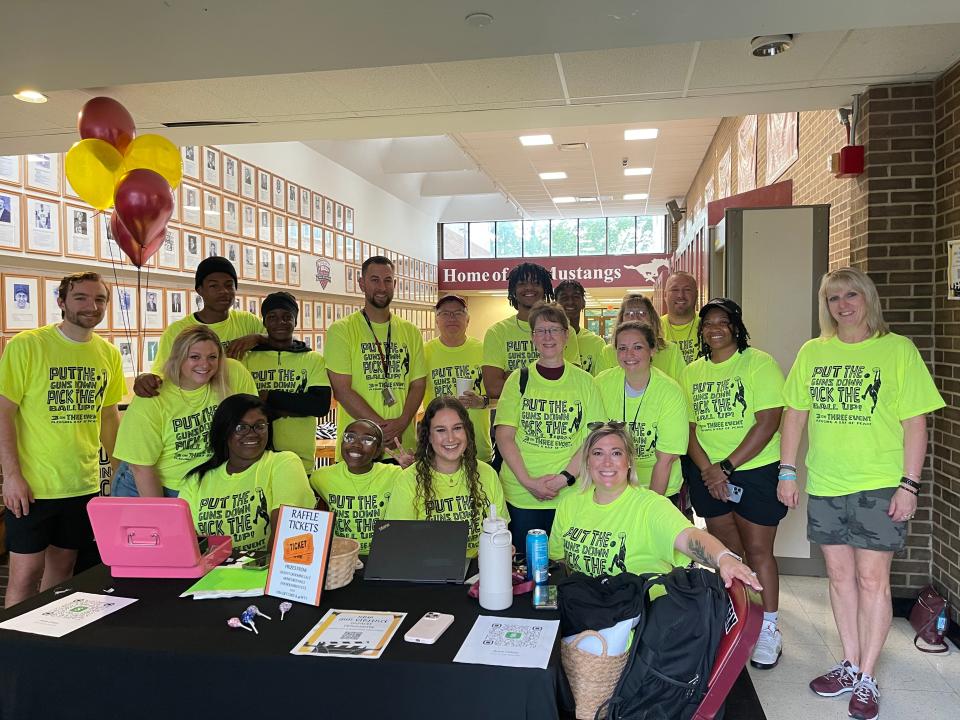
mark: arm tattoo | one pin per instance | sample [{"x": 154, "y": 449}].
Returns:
[{"x": 699, "y": 553}]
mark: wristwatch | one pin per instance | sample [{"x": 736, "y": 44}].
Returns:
[
  {"x": 727, "y": 467},
  {"x": 569, "y": 476}
]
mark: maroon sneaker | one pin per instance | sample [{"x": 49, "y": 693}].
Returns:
[
  {"x": 839, "y": 680},
  {"x": 865, "y": 703}
]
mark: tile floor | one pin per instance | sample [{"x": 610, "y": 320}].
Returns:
[{"x": 912, "y": 684}]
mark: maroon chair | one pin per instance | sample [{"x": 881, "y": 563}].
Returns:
[{"x": 744, "y": 618}]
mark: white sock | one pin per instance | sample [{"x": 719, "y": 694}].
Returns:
[
  {"x": 771, "y": 617},
  {"x": 854, "y": 667}
]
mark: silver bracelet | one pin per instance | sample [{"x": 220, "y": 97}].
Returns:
[{"x": 731, "y": 554}]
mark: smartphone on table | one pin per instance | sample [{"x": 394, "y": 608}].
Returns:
[
  {"x": 429, "y": 628},
  {"x": 544, "y": 597}
]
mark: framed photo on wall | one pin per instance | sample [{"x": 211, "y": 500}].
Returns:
[
  {"x": 306, "y": 315},
  {"x": 248, "y": 226},
  {"x": 293, "y": 269},
  {"x": 51, "y": 308},
  {"x": 306, "y": 237},
  {"x": 265, "y": 271},
  {"x": 211, "y": 210},
  {"x": 318, "y": 342},
  {"x": 328, "y": 212},
  {"x": 264, "y": 187},
  {"x": 151, "y": 345},
  {"x": 264, "y": 226},
  {"x": 340, "y": 255},
  {"x": 127, "y": 344},
  {"x": 10, "y": 220},
  {"x": 191, "y": 164},
  {"x": 109, "y": 251},
  {"x": 43, "y": 226},
  {"x": 317, "y": 208},
  {"x": 196, "y": 302},
  {"x": 192, "y": 250},
  {"x": 280, "y": 267},
  {"x": 176, "y": 305},
  {"x": 279, "y": 193},
  {"x": 348, "y": 219},
  {"x": 248, "y": 268},
  {"x": 279, "y": 229},
  {"x": 327, "y": 315},
  {"x": 123, "y": 309},
  {"x": 338, "y": 216},
  {"x": 348, "y": 250},
  {"x": 253, "y": 306},
  {"x": 231, "y": 251},
  {"x": 293, "y": 233},
  {"x": 231, "y": 216},
  {"x": 190, "y": 204},
  {"x": 212, "y": 246},
  {"x": 211, "y": 166},
  {"x": 43, "y": 172},
  {"x": 168, "y": 256},
  {"x": 317, "y": 240},
  {"x": 328, "y": 244},
  {"x": 305, "y": 203},
  {"x": 293, "y": 199},
  {"x": 81, "y": 231},
  {"x": 248, "y": 181},
  {"x": 152, "y": 303},
  {"x": 231, "y": 180},
  {"x": 10, "y": 169}
]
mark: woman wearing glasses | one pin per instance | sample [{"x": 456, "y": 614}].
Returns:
[
  {"x": 163, "y": 438},
  {"x": 541, "y": 423},
  {"x": 611, "y": 524},
  {"x": 650, "y": 404},
  {"x": 238, "y": 491},
  {"x": 357, "y": 488},
  {"x": 446, "y": 481},
  {"x": 667, "y": 357},
  {"x": 734, "y": 395}
]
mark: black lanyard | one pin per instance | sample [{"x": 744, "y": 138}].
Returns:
[
  {"x": 633, "y": 425},
  {"x": 384, "y": 358}
]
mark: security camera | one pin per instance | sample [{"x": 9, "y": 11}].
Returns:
[{"x": 843, "y": 115}]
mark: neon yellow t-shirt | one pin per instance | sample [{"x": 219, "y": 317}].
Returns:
[
  {"x": 351, "y": 350},
  {"x": 239, "y": 505},
  {"x": 451, "y": 500},
  {"x": 551, "y": 421},
  {"x": 658, "y": 420},
  {"x": 169, "y": 432},
  {"x": 61, "y": 387},
  {"x": 634, "y": 533},
  {"x": 508, "y": 345},
  {"x": 445, "y": 365},
  {"x": 357, "y": 501},
  {"x": 686, "y": 336},
  {"x": 722, "y": 399},
  {"x": 238, "y": 324},
  {"x": 669, "y": 360},
  {"x": 857, "y": 395},
  {"x": 591, "y": 351},
  {"x": 290, "y": 372}
]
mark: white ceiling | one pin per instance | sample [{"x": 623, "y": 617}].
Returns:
[{"x": 451, "y": 99}]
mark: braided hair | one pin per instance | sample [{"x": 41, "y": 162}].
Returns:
[{"x": 734, "y": 315}]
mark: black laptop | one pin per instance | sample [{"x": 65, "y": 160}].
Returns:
[{"x": 427, "y": 551}]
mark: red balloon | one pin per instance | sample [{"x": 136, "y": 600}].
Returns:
[
  {"x": 104, "y": 118},
  {"x": 144, "y": 204},
  {"x": 138, "y": 254}
]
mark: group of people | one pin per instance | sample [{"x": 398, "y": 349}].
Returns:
[{"x": 604, "y": 445}]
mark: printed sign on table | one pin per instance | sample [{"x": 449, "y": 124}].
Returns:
[{"x": 298, "y": 562}]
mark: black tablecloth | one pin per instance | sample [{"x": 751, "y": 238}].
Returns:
[{"x": 166, "y": 657}]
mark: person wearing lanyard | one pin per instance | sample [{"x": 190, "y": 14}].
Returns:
[
  {"x": 650, "y": 404},
  {"x": 375, "y": 361},
  {"x": 667, "y": 357},
  {"x": 681, "y": 324}
]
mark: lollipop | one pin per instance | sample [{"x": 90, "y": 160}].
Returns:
[
  {"x": 235, "y": 623},
  {"x": 284, "y": 606},
  {"x": 256, "y": 611},
  {"x": 247, "y": 617}
]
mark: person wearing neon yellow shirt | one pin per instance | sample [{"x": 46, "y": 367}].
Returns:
[
  {"x": 681, "y": 324},
  {"x": 452, "y": 359},
  {"x": 239, "y": 489},
  {"x": 863, "y": 393},
  {"x": 541, "y": 427},
  {"x": 506, "y": 344},
  {"x": 651, "y": 405},
  {"x": 59, "y": 390},
  {"x": 610, "y": 524},
  {"x": 375, "y": 361},
  {"x": 668, "y": 358},
  {"x": 734, "y": 396},
  {"x": 572, "y": 297},
  {"x": 215, "y": 281},
  {"x": 164, "y": 437},
  {"x": 446, "y": 481},
  {"x": 357, "y": 489},
  {"x": 291, "y": 378}
]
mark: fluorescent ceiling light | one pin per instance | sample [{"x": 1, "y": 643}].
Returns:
[
  {"x": 586, "y": 199},
  {"x": 553, "y": 175},
  {"x": 30, "y": 96},
  {"x": 564, "y": 199},
  {"x": 640, "y": 134},
  {"x": 637, "y": 171},
  {"x": 527, "y": 140},
  {"x": 636, "y": 196}
]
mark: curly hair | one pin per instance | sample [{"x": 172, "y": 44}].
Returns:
[
  {"x": 425, "y": 459},
  {"x": 739, "y": 330},
  {"x": 529, "y": 272}
]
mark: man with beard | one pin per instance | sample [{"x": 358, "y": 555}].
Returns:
[
  {"x": 375, "y": 361},
  {"x": 681, "y": 323},
  {"x": 59, "y": 389}
]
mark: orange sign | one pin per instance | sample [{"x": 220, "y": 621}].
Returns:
[{"x": 298, "y": 549}]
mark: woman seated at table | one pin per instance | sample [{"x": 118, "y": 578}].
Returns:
[
  {"x": 446, "y": 481},
  {"x": 238, "y": 491},
  {"x": 357, "y": 488},
  {"x": 668, "y": 358},
  {"x": 163, "y": 438},
  {"x": 652, "y": 406},
  {"x": 614, "y": 525}
]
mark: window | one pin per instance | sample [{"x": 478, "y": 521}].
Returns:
[
  {"x": 455, "y": 240},
  {"x": 650, "y": 234},
  {"x": 482, "y": 237},
  {"x": 509, "y": 237},
  {"x": 564, "y": 237},
  {"x": 593, "y": 236},
  {"x": 536, "y": 238},
  {"x": 621, "y": 235}
]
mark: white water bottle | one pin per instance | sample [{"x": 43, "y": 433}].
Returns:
[{"x": 496, "y": 566}]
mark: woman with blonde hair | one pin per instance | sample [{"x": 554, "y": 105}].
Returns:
[
  {"x": 667, "y": 357},
  {"x": 163, "y": 438},
  {"x": 863, "y": 393}
]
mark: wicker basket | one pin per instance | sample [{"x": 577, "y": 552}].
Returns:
[
  {"x": 593, "y": 678},
  {"x": 342, "y": 563}
]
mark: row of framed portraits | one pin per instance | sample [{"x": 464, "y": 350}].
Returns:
[{"x": 403, "y": 289}]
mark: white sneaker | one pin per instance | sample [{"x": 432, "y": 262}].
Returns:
[{"x": 769, "y": 647}]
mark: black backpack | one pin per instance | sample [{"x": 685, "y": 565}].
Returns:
[
  {"x": 497, "y": 461},
  {"x": 674, "y": 648}
]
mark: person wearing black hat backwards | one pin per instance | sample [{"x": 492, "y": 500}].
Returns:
[
  {"x": 734, "y": 396},
  {"x": 238, "y": 330},
  {"x": 291, "y": 378}
]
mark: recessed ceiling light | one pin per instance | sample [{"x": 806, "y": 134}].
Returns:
[
  {"x": 30, "y": 96},
  {"x": 553, "y": 175},
  {"x": 528, "y": 140},
  {"x": 478, "y": 19},
  {"x": 636, "y": 196},
  {"x": 640, "y": 134},
  {"x": 637, "y": 171},
  {"x": 770, "y": 45},
  {"x": 563, "y": 200}
]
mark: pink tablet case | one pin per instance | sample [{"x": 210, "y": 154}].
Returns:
[{"x": 152, "y": 538}]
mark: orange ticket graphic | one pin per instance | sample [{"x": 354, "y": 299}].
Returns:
[{"x": 298, "y": 549}]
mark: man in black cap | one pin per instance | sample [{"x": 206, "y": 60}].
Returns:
[
  {"x": 291, "y": 378},
  {"x": 238, "y": 330}
]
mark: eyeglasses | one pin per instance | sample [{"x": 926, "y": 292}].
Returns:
[
  {"x": 259, "y": 428},
  {"x": 365, "y": 440},
  {"x": 635, "y": 313},
  {"x": 451, "y": 314},
  {"x": 548, "y": 332},
  {"x": 612, "y": 424}
]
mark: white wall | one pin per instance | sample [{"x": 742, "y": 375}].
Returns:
[{"x": 380, "y": 218}]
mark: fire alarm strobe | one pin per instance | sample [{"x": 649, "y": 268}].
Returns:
[{"x": 848, "y": 162}]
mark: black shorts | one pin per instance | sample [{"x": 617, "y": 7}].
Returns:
[
  {"x": 61, "y": 522},
  {"x": 758, "y": 504}
]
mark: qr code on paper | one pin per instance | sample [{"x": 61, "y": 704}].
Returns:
[
  {"x": 516, "y": 636},
  {"x": 78, "y": 608}
]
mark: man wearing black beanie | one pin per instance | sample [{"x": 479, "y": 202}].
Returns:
[{"x": 238, "y": 330}]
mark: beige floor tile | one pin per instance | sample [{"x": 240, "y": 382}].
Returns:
[
  {"x": 798, "y": 664},
  {"x": 907, "y": 705},
  {"x": 783, "y": 701}
]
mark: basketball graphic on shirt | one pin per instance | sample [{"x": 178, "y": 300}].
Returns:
[{"x": 576, "y": 417}]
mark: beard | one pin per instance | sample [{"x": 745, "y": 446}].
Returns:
[
  {"x": 85, "y": 322},
  {"x": 380, "y": 304}
]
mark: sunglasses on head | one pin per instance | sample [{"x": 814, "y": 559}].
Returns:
[{"x": 612, "y": 424}]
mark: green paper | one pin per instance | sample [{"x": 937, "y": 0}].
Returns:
[{"x": 227, "y": 582}]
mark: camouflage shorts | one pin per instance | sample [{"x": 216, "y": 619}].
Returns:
[{"x": 859, "y": 520}]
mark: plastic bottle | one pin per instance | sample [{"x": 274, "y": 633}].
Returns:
[
  {"x": 496, "y": 580},
  {"x": 941, "y": 621}
]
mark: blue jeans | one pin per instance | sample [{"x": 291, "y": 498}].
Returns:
[
  {"x": 525, "y": 519},
  {"x": 123, "y": 484}
]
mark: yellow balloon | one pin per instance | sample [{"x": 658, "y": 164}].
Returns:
[
  {"x": 92, "y": 167},
  {"x": 154, "y": 152}
]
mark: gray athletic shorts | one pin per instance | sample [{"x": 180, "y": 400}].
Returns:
[{"x": 859, "y": 520}]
